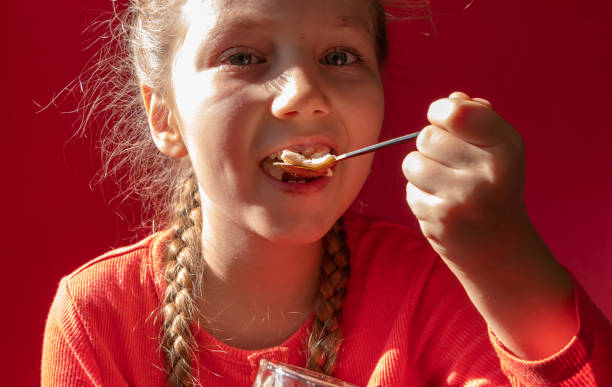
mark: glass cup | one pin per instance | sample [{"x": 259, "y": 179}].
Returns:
[{"x": 285, "y": 375}]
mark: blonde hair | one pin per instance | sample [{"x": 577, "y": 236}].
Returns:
[{"x": 142, "y": 42}]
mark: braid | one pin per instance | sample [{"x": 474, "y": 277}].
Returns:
[
  {"x": 326, "y": 336},
  {"x": 183, "y": 274}
]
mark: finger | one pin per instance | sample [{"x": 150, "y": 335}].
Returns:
[
  {"x": 471, "y": 121},
  {"x": 442, "y": 146},
  {"x": 423, "y": 205},
  {"x": 462, "y": 95},
  {"x": 459, "y": 95},
  {"x": 483, "y": 101},
  {"x": 429, "y": 175},
  {"x": 433, "y": 231}
]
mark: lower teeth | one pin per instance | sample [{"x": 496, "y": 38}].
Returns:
[{"x": 291, "y": 180}]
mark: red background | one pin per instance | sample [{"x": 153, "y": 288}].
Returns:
[{"x": 545, "y": 67}]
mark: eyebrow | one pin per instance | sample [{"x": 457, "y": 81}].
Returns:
[
  {"x": 261, "y": 24},
  {"x": 243, "y": 23},
  {"x": 247, "y": 23},
  {"x": 353, "y": 23}
]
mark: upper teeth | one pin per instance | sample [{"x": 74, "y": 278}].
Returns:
[{"x": 273, "y": 170}]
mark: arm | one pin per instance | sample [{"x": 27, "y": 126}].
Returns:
[
  {"x": 450, "y": 343},
  {"x": 584, "y": 361},
  {"x": 527, "y": 299},
  {"x": 465, "y": 186}
]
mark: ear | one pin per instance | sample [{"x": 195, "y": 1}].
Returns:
[{"x": 163, "y": 124}]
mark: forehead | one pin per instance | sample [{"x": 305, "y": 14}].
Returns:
[{"x": 227, "y": 14}]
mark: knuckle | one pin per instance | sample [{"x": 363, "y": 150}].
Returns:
[
  {"x": 424, "y": 137},
  {"x": 460, "y": 211},
  {"x": 411, "y": 163},
  {"x": 464, "y": 198},
  {"x": 429, "y": 131},
  {"x": 452, "y": 112},
  {"x": 505, "y": 163},
  {"x": 489, "y": 169},
  {"x": 459, "y": 198},
  {"x": 410, "y": 193},
  {"x": 415, "y": 203},
  {"x": 454, "y": 220},
  {"x": 461, "y": 114},
  {"x": 429, "y": 231},
  {"x": 441, "y": 110}
]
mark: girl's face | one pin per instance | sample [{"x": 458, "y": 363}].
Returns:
[{"x": 253, "y": 77}]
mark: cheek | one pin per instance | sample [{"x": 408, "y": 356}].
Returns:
[
  {"x": 366, "y": 116},
  {"x": 217, "y": 125},
  {"x": 365, "y": 112},
  {"x": 219, "y": 133}
]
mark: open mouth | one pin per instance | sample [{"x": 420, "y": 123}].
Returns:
[{"x": 296, "y": 176}]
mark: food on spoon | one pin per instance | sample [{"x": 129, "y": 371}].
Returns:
[
  {"x": 302, "y": 164},
  {"x": 306, "y": 164},
  {"x": 299, "y": 160}
]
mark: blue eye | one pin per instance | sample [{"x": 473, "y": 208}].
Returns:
[{"x": 340, "y": 58}]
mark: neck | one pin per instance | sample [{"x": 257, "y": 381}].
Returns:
[{"x": 256, "y": 293}]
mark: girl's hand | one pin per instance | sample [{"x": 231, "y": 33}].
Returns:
[
  {"x": 465, "y": 186},
  {"x": 465, "y": 182}
]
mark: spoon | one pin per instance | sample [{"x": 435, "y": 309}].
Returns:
[{"x": 299, "y": 166}]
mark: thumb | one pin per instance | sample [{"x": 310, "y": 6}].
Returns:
[{"x": 471, "y": 121}]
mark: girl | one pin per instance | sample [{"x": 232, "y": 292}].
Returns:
[{"x": 254, "y": 263}]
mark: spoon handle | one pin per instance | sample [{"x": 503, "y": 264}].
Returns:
[{"x": 375, "y": 147}]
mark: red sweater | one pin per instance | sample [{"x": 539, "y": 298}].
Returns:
[{"x": 406, "y": 319}]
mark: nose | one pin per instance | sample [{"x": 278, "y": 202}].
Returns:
[{"x": 298, "y": 93}]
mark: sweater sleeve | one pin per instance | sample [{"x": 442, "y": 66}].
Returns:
[
  {"x": 448, "y": 340},
  {"x": 453, "y": 345},
  {"x": 67, "y": 358},
  {"x": 584, "y": 361}
]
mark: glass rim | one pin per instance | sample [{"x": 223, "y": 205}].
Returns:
[{"x": 303, "y": 373}]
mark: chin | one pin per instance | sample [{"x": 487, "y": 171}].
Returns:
[{"x": 304, "y": 229}]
